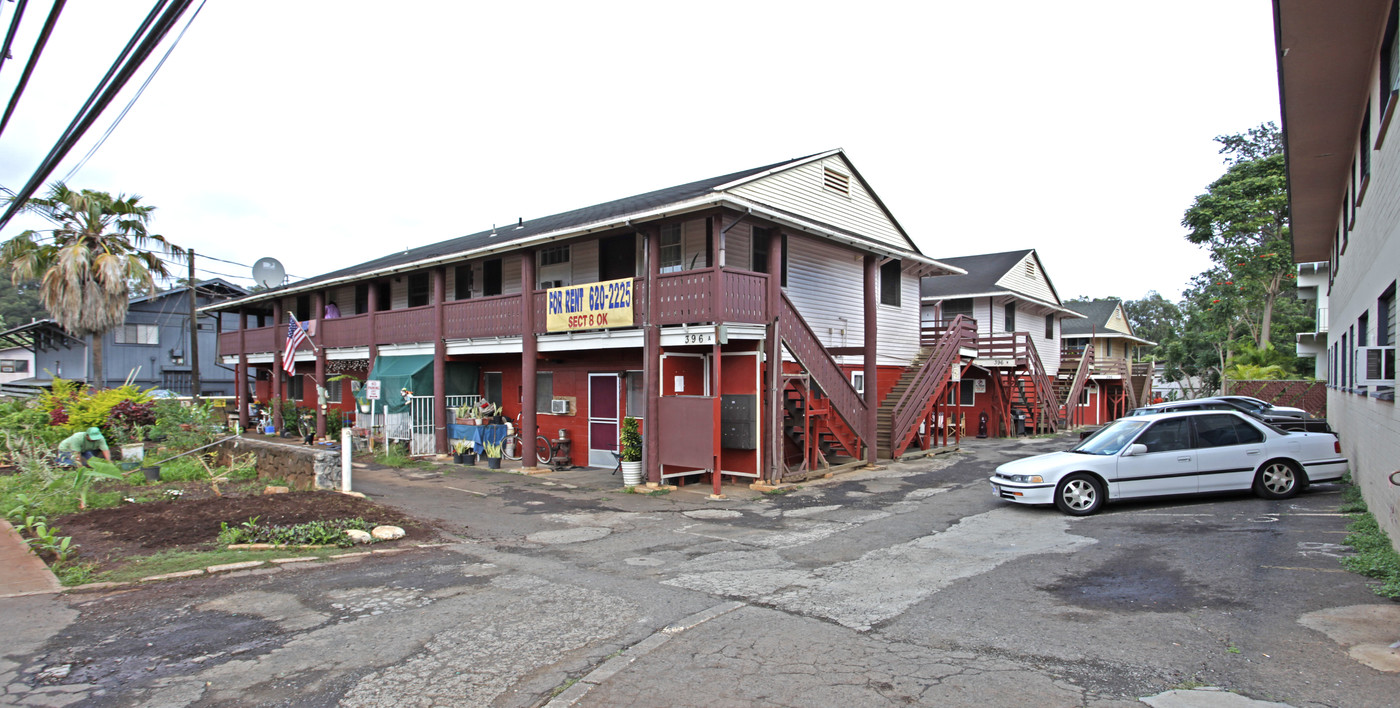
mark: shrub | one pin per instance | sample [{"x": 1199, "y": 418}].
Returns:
[{"x": 313, "y": 533}]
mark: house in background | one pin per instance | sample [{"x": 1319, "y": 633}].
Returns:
[
  {"x": 15, "y": 363},
  {"x": 1313, "y": 281},
  {"x": 755, "y": 322},
  {"x": 1339, "y": 90},
  {"x": 1104, "y": 340},
  {"x": 152, "y": 346},
  {"x": 1019, "y": 320}
]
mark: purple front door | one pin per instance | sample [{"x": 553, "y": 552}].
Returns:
[{"x": 603, "y": 393}]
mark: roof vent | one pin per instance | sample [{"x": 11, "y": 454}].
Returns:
[
  {"x": 836, "y": 181},
  {"x": 520, "y": 224},
  {"x": 1030, "y": 268}
]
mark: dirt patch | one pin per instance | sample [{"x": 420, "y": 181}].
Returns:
[{"x": 110, "y": 536}]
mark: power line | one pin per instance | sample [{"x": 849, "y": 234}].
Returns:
[
  {"x": 14, "y": 28},
  {"x": 39, "y": 45},
  {"x": 139, "y": 91},
  {"x": 103, "y": 95}
]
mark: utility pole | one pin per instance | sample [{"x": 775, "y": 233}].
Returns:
[{"x": 194, "y": 334}]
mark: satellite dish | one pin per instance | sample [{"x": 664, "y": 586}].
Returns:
[{"x": 268, "y": 272}]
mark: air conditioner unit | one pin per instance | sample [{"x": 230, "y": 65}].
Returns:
[
  {"x": 1375, "y": 366},
  {"x": 559, "y": 406},
  {"x": 547, "y": 284}
]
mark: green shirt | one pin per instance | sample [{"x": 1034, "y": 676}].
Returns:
[{"x": 78, "y": 442}]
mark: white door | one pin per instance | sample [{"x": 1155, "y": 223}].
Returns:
[
  {"x": 604, "y": 393},
  {"x": 1168, "y": 466},
  {"x": 1230, "y": 451}
]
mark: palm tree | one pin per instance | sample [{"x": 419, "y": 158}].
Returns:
[{"x": 97, "y": 254}]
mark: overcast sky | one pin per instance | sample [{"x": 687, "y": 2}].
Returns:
[{"x": 329, "y": 133}]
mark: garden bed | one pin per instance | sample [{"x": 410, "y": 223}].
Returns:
[{"x": 114, "y": 536}]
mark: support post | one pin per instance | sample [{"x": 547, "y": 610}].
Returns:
[
  {"x": 717, "y": 355},
  {"x": 651, "y": 367},
  {"x": 345, "y": 459},
  {"x": 318, "y": 311},
  {"x": 373, "y": 307},
  {"x": 529, "y": 356},
  {"x": 277, "y": 365},
  {"x": 438, "y": 278},
  {"x": 774, "y": 446},
  {"x": 241, "y": 373},
  {"x": 872, "y": 271}
]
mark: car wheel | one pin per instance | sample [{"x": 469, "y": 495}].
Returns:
[
  {"x": 1278, "y": 479},
  {"x": 1079, "y": 494}
]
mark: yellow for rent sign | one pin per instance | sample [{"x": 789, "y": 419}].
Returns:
[{"x": 591, "y": 306}]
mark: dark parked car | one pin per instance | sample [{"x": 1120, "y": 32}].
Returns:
[
  {"x": 1222, "y": 403},
  {"x": 1255, "y": 405}
]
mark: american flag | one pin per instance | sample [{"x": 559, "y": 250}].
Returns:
[{"x": 296, "y": 334}]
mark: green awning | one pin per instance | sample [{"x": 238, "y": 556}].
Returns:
[{"x": 414, "y": 373}]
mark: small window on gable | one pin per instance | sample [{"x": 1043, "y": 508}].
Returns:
[
  {"x": 1030, "y": 268},
  {"x": 890, "y": 283},
  {"x": 836, "y": 181}
]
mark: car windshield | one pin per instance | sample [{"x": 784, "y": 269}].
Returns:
[{"x": 1110, "y": 440}]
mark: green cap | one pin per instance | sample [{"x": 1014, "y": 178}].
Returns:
[{"x": 94, "y": 434}]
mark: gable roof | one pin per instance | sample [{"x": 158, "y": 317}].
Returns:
[
  {"x": 985, "y": 273},
  {"x": 1096, "y": 314},
  {"x": 618, "y": 213},
  {"x": 211, "y": 287}
]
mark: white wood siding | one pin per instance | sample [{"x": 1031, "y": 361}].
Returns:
[
  {"x": 510, "y": 274},
  {"x": 398, "y": 292},
  {"x": 826, "y": 284},
  {"x": 1118, "y": 322},
  {"x": 738, "y": 246},
  {"x": 800, "y": 190},
  {"x": 1028, "y": 278}
]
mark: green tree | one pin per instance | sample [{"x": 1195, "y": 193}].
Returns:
[
  {"x": 87, "y": 264},
  {"x": 1243, "y": 221},
  {"x": 1154, "y": 318},
  {"x": 19, "y": 303}
]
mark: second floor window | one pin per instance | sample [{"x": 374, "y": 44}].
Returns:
[
  {"x": 890, "y": 282},
  {"x": 417, "y": 289},
  {"x": 136, "y": 334},
  {"x": 1049, "y": 326},
  {"x": 672, "y": 249},
  {"x": 491, "y": 277},
  {"x": 1010, "y": 317},
  {"x": 960, "y": 306},
  {"x": 462, "y": 282}
]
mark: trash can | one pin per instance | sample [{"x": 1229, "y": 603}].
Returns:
[{"x": 1020, "y": 417}]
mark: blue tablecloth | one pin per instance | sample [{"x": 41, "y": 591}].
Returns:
[{"x": 477, "y": 435}]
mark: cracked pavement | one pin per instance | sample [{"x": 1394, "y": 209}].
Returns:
[{"x": 909, "y": 585}]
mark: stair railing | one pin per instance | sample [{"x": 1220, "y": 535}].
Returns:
[
  {"x": 1081, "y": 374},
  {"x": 812, "y": 355},
  {"x": 930, "y": 377}
]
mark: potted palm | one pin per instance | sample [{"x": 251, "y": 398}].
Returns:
[{"x": 631, "y": 452}]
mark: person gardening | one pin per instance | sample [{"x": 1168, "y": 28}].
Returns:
[{"x": 84, "y": 444}]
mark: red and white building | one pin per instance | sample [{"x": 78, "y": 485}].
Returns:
[
  {"x": 1019, "y": 318},
  {"x": 1104, "y": 339},
  {"x": 671, "y": 307}
]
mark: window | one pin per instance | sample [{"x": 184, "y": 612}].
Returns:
[
  {"x": 1364, "y": 148},
  {"x": 1167, "y": 435},
  {"x": 492, "y": 389},
  {"x": 1225, "y": 430},
  {"x": 672, "y": 249},
  {"x": 292, "y": 386},
  {"x": 1390, "y": 72},
  {"x": 960, "y": 306},
  {"x": 303, "y": 307},
  {"x": 554, "y": 255},
  {"x": 362, "y": 298},
  {"x": 1363, "y": 327},
  {"x": 491, "y": 277},
  {"x": 334, "y": 391},
  {"x": 417, "y": 289},
  {"x": 462, "y": 282},
  {"x": 384, "y": 295},
  {"x": 762, "y": 242},
  {"x": 1010, "y": 317},
  {"x": 858, "y": 382},
  {"x": 1049, "y": 326},
  {"x": 636, "y": 394},
  {"x": 1385, "y": 317},
  {"x": 966, "y": 393},
  {"x": 136, "y": 334},
  {"x": 890, "y": 282},
  {"x": 14, "y": 366},
  {"x": 1108, "y": 347},
  {"x": 544, "y": 390},
  {"x": 836, "y": 182}
]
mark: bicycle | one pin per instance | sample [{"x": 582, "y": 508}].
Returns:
[{"x": 514, "y": 445}]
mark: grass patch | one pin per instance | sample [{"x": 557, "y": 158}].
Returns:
[
  {"x": 1375, "y": 556},
  {"x": 176, "y": 561},
  {"x": 658, "y": 492},
  {"x": 779, "y": 491},
  {"x": 563, "y": 687}
]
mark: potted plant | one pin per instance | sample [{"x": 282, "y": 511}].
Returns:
[
  {"x": 466, "y": 415},
  {"x": 493, "y": 454},
  {"x": 460, "y": 451},
  {"x": 631, "y": 452}
]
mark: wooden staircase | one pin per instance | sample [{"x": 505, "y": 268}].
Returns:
[
  {"x": 1069, "y": 383},
  {"x": 822, "y": 413},
  {"x": 922, "y": 385}
]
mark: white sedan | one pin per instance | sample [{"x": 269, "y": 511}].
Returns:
[{"x": 1173, "y": 453}]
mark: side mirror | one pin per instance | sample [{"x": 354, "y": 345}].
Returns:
[{"x": 1136, "y": 449}]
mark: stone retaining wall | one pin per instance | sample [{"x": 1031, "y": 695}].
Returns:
[{"x": 301, "y": 466}]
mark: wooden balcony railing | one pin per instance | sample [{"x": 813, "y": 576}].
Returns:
[{"x": 682, "y": 298}]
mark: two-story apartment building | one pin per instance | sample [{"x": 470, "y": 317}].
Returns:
[
  {"x": 1115, "y": 386},
  {"x": 152, "y": 347},
  {"x": 1019, "y": 320},
  {"x": 1339, "y": 88},
  {"x": 673, "y": 307}
]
